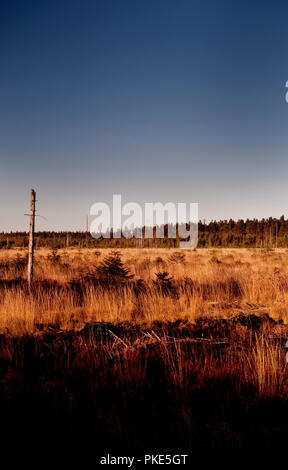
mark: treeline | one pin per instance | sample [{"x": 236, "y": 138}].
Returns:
[{"x": 265, "y": 233}]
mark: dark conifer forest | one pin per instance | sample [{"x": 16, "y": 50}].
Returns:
[{"x": 264, "y": 233}]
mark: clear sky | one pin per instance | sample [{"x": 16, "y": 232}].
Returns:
[{"x": 158, "y": 100}]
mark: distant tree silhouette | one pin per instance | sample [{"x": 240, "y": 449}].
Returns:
[{"x": 250, "y": 233}]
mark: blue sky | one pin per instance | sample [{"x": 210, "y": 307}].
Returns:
[{"x": 156, "y": 100}]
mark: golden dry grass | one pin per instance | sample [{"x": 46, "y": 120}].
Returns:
[
  {"x": 221, "y": 370},
  {"x": 224, "y": 282}
]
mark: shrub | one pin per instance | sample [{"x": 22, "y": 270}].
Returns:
[
  {"x": 112, "y": 268},
  {"x": 164, "y": 283}
]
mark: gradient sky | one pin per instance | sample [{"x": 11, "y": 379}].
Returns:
[{"x": 155, "y": 99}]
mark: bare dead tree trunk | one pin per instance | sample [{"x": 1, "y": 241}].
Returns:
[{"x": 31, "y": 238}]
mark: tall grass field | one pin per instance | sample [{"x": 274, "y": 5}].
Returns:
[{"x": 146, "y": 348}]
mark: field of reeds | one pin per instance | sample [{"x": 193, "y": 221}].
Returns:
[{"x": 146, "y": 348}]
